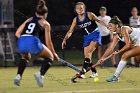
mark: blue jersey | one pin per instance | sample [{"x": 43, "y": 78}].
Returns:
[{"x": 86, "y": 25}]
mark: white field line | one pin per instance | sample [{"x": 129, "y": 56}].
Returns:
[{"x": 96, "y": 90}]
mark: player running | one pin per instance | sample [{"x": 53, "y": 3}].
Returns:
[
  {"x": 130, "y": 36},
  {"x": 29, "y": 43},
  {"x": 86, "y": 22}
]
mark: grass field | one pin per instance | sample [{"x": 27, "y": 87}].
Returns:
[{"x": 57, "y": 80}]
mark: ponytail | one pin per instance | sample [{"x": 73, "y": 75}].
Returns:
[
  {"x": 41, "y": 3},
  {"x": 116, "y": 20},
  {"x": 41, "y": 7}
]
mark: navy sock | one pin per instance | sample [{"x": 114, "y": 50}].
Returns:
[
  {"x": 21, "y": 66},
  {"x": 94, "y": 70},
  {"x": 46, "y": 64},
  {"x": 86, "y": 64}
]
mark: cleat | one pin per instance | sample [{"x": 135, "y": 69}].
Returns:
[
  {"x": 39, "y": 79},
  {"x": 17, "y": 80},
  {"x": 94, "y": 75},
  {"x": 112, "y": 79}
]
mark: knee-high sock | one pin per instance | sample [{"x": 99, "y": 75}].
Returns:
[
  {"x": 46, "y": 64},
  {"x": 86, "y": 64},
  {"x": 93, "y": 69},
  {"x": 120, "y": 68},
  {"x": 21, "y": 66}
]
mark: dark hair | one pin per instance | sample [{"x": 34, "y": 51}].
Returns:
[
  {"x": 41, "y": 7},
  {"x": 103, "y": 8},
  {"x": 115, "y": 20},
  {"x": 79, "y": 3}
]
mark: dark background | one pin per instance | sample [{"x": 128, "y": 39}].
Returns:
[{"x": 61, "y": 12}]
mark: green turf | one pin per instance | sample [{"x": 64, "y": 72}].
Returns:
[{"x": 58, "y": 81}]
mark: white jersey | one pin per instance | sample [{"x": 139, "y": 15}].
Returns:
[
  {"x": 134, "y": 21},
  {"x": 103, "y": 30},
  {"x": 134, "y": 36}
]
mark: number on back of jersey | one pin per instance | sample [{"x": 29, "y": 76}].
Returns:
[{"x": 30, "y": 28}]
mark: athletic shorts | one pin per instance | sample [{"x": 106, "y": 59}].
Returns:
[
  {"x": 29, "y": 44},
  {"x": 105, "y": 39},
  {"x": 93, "y": 36}
]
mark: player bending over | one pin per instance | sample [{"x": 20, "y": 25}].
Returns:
[
  {"x": 29, "y": 43},
  {"x": 86, "y": 22},
  {"x": 131, "y": 37}
]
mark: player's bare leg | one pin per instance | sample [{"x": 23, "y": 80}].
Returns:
[
  {"x": 137, "y": 60},
  {"x": 88, "y": 53},
  {"x": 100, "y": 54},
  {"x": 113, "y": 60},
  {"x": 131, "y": 53},
  {"x": 46, "y": 64}
]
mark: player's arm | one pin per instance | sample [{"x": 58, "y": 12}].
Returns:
[
  {"x": 109, "y": 50},
  {"x": 126, "y": 40},
  {"x": 21, "y": 27},
  {"x": 111, "y": 47},
  {"x": 92, "y": 16},
  {"x": 48, "y": 39},
  {"x": 69, "y": 33}
]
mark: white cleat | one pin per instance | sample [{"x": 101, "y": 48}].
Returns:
[
  {"x": 93, "y": 75},
  {"x": 39, "y": 79},
  {"x": 17, "y": 80}
]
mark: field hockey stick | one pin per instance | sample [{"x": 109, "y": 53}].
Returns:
[
  {"x": 66, "y": 63},
  {"x": 106, "y": 57},
  {"x": 103, "y": 60},
  {"x": 73, "y": 79}
]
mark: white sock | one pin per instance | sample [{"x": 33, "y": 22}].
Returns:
[{"x": 120, "y": 67}]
